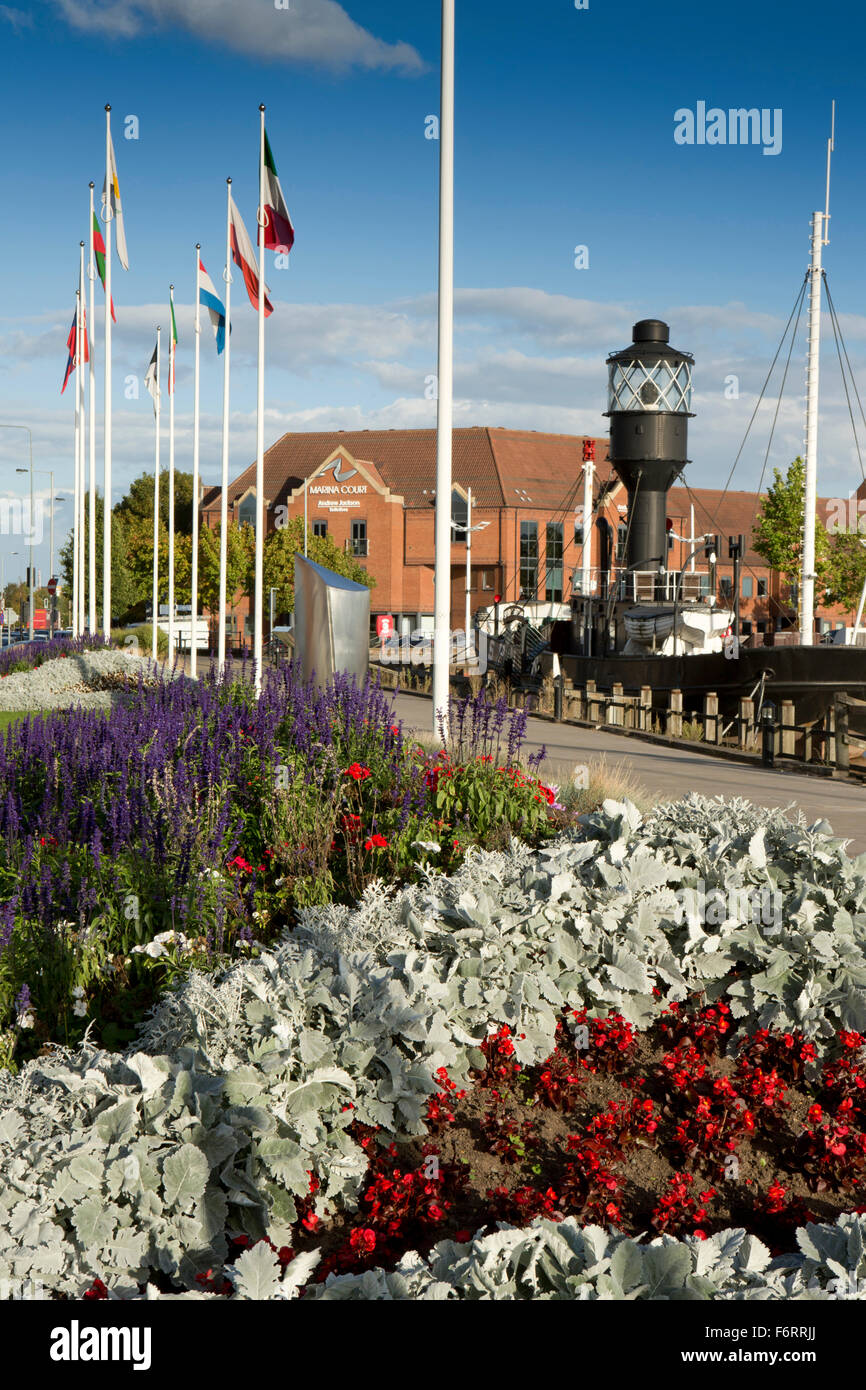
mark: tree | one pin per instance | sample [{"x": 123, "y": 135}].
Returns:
[
  {"x": 778, "y": 533},
  {"x": 240, "y": 551},
  {"x": 846, "y": 569},
  {"x": 123, "y": 588},
  {"x": 279, "y": 562},
  {"x": 138, "y": 502}
]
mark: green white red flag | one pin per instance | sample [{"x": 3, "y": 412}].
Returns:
[
  {"x": 279, "y": 232},
  {"x": 99, "y": 257}
]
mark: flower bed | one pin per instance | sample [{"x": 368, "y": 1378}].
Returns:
[
  {"x": 194, "y": 820},
  {"x": 246, "y": 1146}
]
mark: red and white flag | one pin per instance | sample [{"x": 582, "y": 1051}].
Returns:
[{"x": 244, "y": 256}]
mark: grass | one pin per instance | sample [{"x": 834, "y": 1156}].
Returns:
[{"x": 9, "y": 716}]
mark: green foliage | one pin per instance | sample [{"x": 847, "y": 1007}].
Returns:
[
  {"x": 124, "y": 591},
  {"x": 279, "y": 562},
  {"x": 846, "y": 569},
  {"x": 778, "y": 533}
]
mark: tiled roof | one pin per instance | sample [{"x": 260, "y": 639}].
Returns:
[{"x": 493, "y": 462}]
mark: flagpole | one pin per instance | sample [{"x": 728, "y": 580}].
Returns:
[
  {"x": 171, "y": 385},
  {"x": 155, "y": 600},
  {"x": 106, "y": 518},
  {"x": 227, "y": 276},
  {"x": 261, "y": 218},
  {"x": 91, "y": 534},
  {"x": 442, "y": 553},
  {"x": 82, "y": 441},
  {"x": 193, "y": 643},
  {"x": 75, "y": 505}
]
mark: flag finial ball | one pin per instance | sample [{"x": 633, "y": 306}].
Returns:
[
  {"x": 228, "y": 180},
  {"x": 92, "y": 184},
  {"x": 262, "y": 106},
  {"x": 108, "y": 106}
]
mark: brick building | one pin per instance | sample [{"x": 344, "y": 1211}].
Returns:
[{"x": 373, "y": 493}]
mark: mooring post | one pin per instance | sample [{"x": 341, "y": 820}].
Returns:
[
  {"x": 675, "y": 714},
  {"x": 843, "y": 752}
]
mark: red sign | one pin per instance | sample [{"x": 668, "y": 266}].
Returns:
[
  {"x": 52, "y": 587},
  {"x": 40, "y": 618},
  {"x": 384, "y": 625}
]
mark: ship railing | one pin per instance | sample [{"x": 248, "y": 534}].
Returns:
[{"x": 643, "y": 586}]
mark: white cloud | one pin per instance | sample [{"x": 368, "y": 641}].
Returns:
[
  {"x": 19, "y": 19},
  {"x": 316, "y": 32}
]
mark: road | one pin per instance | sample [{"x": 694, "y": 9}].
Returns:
[{"x": 674, "y": 771}]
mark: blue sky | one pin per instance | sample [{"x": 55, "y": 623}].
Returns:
[{"x": 564, "y": 137}]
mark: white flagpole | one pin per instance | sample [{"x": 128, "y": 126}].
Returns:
[
  {"x": 193, "y": 643},
  {"x": 260, "y": 422},
  {"x": 171, "y": 386},
  {"x": 75, "y": 506},
  {"x": 91, "y": 535},
  {"x": 106, "y": 518},
  {"x": 155, "y": 599},
  {"x": 82, "y": 439},
  {"x": 224, "y": 492},
  {"x": 442, "y": 562}
]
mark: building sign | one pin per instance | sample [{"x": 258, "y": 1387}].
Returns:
[
  {"x": 330, "y": 491},
  {"x": 384, "y": 625}
]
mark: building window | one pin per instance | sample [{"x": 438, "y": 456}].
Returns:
[
  {"x": 247, "y": 511},
  {"x": 358, "y": 543},
  {"x": 621, "y": 533},
  {"x": 459, "y": 516},
  {"x": 762, "y": 627},
  {"x": 487, "y": 580},
  {"x": 320, "y": 528},
  {"x": 726, "y": 586},
  {"x": 553, "y": 577},
  {"x": 745, "y": 629},
  {"x": 705, "y": 585},
  {"x": 748, "y": 585},
  {"x": 529, "y": 560},
  {"x": 762, "y": 588}
]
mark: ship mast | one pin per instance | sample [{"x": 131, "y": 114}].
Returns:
[{"x": 820, "y": 238}]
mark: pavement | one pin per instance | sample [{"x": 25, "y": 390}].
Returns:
[{"x": 673, "y": 771}]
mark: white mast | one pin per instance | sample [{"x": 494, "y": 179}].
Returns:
[
  {"x": 468, "y": 570},
  {"x": 444, "y": 413},
  {"x": 820, "y": 228},
  {"x": 586, "y": 552},
  {"x": 106, "y": 519},
  {"x": 82, "y": 341},
  {"x": 171, "y": 383},
  {"x": 193, "y": 597},
  {"x": 259, "y": 600},
  {"x": 155, "y": 599},
  {"x": 77, "y": 487},
  {"x": 224, "y": 491},
  {"x": 91, "y": 534}
]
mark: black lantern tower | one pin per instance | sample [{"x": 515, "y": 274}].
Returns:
[{"x": 649, "y": 395}]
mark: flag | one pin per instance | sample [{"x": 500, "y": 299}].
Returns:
[
  {"x": 99, "y": 257},
  {"x": 71, "y": 362},
  {"x": 172, "y": 345},
  {"x": 150, "y": 379},
  {"x": 208, "y": 297},
  {"x": 119, "y": 233},
  {"x": 279, "y": 232},
  {"x": 244, "y": 256}
]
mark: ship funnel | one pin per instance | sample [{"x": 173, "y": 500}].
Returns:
[{"x": 649, "y": 395}]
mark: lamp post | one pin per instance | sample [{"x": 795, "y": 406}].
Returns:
[
  {"x": 24, "y": 470},
  {"x": 3, "y": 589},
  {"x": 468, "y": 528}
]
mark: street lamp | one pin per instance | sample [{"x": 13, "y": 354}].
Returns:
[
  {"x": 3, "y": 589},
  {"x": 468, "y": 528},
  {"x": 24, "y": 470}
]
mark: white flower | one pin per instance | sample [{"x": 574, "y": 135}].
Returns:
[
  {"x": 78, "y": 992},
  {"x": 27, "y": 1020},
  {"x": 429, "y": 845},
  {"x": 79, "y": 1008}
]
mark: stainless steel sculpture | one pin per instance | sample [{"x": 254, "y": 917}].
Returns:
[{"x": 332, "y": 623}]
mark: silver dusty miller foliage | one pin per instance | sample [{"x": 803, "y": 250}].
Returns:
[{"x": 118, "y": 1165}]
